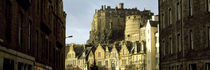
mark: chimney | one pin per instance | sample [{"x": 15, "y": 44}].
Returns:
[
  {"x": 121, "y": 5},
  {"x": 102, "y": 7}
]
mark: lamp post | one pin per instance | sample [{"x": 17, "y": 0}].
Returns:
[{"x": 69, "y": 36}]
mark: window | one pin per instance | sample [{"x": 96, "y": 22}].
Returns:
[
  {"x": 191, "y": 40},
  {"x": 99, "y": 54},
  {"x": 29, "y": 35},
  {"x": 37, "y": 42},
  {"x": 137, "y": 57},
  {"x": 74, "y": 62},
  {"x": 72, "y": 55},
  {"x": 163, "y": 21},
  {"x": 99, "y": 63},
  {"x": 20, "y": 30},
  {"x": 171, "y": 45},
  {"x": 190, "y": 7},
  {"x": 142, "y": 59},
  {"x": 192, "y": 67},
  {"x": 8, "y": 20},
  {"x": 207, "y": 66},
  {"x": 46, "y": 46},
  {"x": 179, "y": 11},
  {"x": 29, "y": 67},
  {"x": 124, "y": 62},
  {"x": 164, "y": 52},
  {"x": 37, "y": 7},
  {"x": 208, "y": 5},
  {"x": 69, "y": 56},
  {"x": 157, "y": 61},
  {"x": 179, "y": 42},
  {"x": 209, "y": 36},
  {"x": 170, "y": 16},
  {"x": 8, "y": 64},
  {"x": 107, "y": 63}
]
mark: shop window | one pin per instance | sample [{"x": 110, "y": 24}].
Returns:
[
  {"x": 8, "y": 64},
  {"x": 192, "y": 67},
  {"x": 207, "y": 66}
]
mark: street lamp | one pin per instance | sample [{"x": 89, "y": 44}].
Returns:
[{"x": 69, "y": 36}]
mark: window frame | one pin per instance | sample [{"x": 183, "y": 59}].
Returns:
[
  {"x": 170, "y": 16},
  {"x": 163, "y": 21},
  {"x": 208, "y": 32},
  {"x": 191, "y": 7},
  {"x": 179, "y": 42},
  {"x": 99, "y": 54},
  {"x": 179, "y": 11},
  {"x": 29, "y": 35},
  {"x": 192, "y": 66},
  {"x": 191, "y": 39},
  {"x": 164, "y": 50},
  {"x": 171, "y": 45}
]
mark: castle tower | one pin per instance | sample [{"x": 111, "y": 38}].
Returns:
[
  {"x": 121, "y": 5},
  {"x": 132, "y": 28}
]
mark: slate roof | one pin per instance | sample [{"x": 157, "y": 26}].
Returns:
[
  {"x": 118, "y": 48},
  {"x": 79, "y": 50},
  {"x": 110, "y": 48}
]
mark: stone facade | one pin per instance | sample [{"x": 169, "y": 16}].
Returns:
[
  {"x": 184, "y": 34},
  {"x": 152, "y": 58},
  {"x": 119, "y": 57},
  {"x": 76, "y": 57},
  {"x": 32, "y": 34},
  {"x": 132, "y": 28}
]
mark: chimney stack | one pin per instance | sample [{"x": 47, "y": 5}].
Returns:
[{"x": 102, "y": 7}]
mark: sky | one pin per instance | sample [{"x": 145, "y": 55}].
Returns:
[{"x": 80, "y": 15}]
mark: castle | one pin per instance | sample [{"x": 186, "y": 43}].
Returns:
[
  {"x": 120, "y": 39},
  {"x": 108, "y": 23}
]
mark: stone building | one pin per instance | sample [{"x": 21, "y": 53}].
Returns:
[
  {"x": 108, "y": 23},
  {"x": 184, "y": 34},
  {"x": 137, "y": 30},
  {"x": 77, "y": 57},
  {"x": 123, "y": 56},
  {"x": 32, "y": 35},
  {"x": 152, "y": 54}
]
